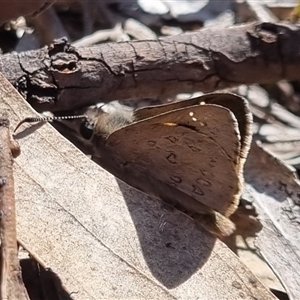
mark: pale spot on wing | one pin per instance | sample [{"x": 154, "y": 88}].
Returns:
[
  {"x": 202, "y": 103},
  {"x": 194, "y": 119},
  {"x": 170, "y": 124},
  {"x": 191, "y": 114}
]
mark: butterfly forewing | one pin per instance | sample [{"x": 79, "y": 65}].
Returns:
[
  {"x": 236, "y": 104},
  {"x": 193, "y": 149}
]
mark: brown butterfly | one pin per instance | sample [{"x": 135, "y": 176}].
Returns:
[{"x": 190, "y": 153}]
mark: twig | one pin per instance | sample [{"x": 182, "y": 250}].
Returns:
[
  {"x": 12, "y": 287},
  {"x": 138, "y": 30},
  {"x": 115, "y": 34}
]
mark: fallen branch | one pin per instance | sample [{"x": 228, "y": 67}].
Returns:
[{"x": 61, "y": 77}]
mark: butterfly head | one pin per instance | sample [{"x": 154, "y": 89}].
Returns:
[{"x": 103, "y": 120}]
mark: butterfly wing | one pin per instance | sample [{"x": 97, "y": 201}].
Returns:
[
  {"x": 194, "y": 150},
  {"x": 236, "y": 104},
  {"x": 240, "y": 108}
]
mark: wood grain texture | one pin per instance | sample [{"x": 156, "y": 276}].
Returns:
[{"x": 276, "y": 198}]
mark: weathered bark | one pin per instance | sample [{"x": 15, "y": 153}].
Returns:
[{"x": 63, "y": 77}]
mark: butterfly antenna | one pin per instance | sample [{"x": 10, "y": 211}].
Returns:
[{"x": 48, "y": 119}]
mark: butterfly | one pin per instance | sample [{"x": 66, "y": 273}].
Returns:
[{"x": 189, "y": 154}]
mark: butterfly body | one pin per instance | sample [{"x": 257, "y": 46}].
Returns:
[{"x": 189, "y": 155}]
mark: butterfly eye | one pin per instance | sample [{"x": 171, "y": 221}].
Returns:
[{"x": 86, "y": 130}]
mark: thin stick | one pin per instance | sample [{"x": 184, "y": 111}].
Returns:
[{"x": 12, "y": 286}]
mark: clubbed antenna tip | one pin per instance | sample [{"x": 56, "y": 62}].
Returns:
[{"x": 48, "y": 119}]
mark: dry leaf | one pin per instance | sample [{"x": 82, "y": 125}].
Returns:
[{"x": 104, "y": 238}]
